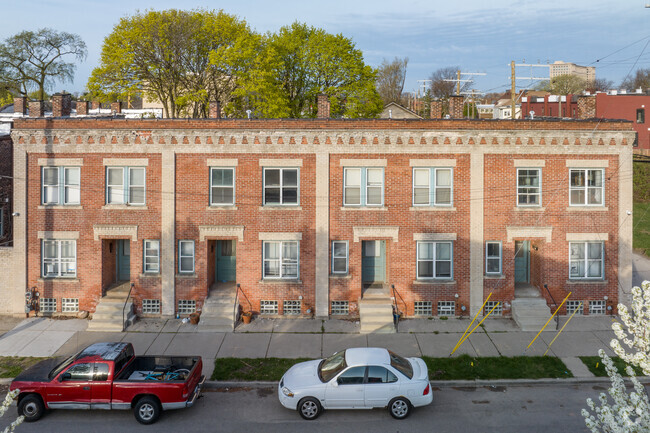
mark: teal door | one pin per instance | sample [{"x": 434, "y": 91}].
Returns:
[
  {"x": 226, "y": 265},
  {"x": 522, "y": 261},
  {"x": 123, "y": 259},
  {"x": 373, "y": 261}
]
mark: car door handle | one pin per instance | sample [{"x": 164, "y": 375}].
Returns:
[{"x": 86, "y": 388}]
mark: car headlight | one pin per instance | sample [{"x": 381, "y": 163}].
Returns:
[{"x": 286, "y": 391}]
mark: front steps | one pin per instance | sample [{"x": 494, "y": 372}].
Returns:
[
  {"x": 376, "y": 312},
  {"x": 530, "y": 311},
  {"x": 219, "y": 313},
  {"x": 108, "y": 314}
]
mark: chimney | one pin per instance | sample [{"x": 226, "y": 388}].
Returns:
[
  {"x": 82, "y": 108},
  {"x": 36, "y": 108},
  {"x": 96, "y": 105},
  {"x": 323, "y": 107},
  {"x": 456, "y": 107},
  {"x": 20, "y": 105},
  {"x": 436, "y": 109},
  {"x": 586, "y": 107},
  {"x": 214, "y": 110},
  {"x": 116, "y": 107},
  {"x": 61, "y": 104}
]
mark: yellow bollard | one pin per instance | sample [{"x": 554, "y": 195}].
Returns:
[
  {"x": 547, "y": 322},
  {"x": 560, "y": 331},
  {"x": 470, "y": 324},
  {"x": 479, "y": 324}
]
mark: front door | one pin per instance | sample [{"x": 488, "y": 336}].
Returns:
[
  {"x": 71, "y": 390},
  {"x": 123, "y": 259},
  {"x": 373, "y": 261},
  {"x": 347, "y": 390},
  {"x": 522, "y": 261},
  {"x": 226, "y": 264}
]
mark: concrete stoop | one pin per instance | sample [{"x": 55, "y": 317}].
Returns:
[
  {"x": 108, "y": 314},
  {"x": 376, "y": 314},
  {"x": 531, "y": 314},
  {"x": 218, "y": 313}
]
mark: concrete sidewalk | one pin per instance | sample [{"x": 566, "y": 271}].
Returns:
[{"x": 315, "y": 338}]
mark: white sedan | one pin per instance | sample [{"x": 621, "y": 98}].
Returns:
[{"x": 358, "y": 378}]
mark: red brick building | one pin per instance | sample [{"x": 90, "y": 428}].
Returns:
[{"x": 307, "y": 215}]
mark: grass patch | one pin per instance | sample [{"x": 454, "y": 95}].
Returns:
[
  {"x": 596, "y": 366},
  {"x": 462, "y": 368},
  {"x": 12, "y": 366},
  {"x": 641, "y": 235}
]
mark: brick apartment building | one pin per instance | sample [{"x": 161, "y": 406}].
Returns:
[{"x": 305, "y": 215}]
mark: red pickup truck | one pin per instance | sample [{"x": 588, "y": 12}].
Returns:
[{"x": 110, "y": 376}]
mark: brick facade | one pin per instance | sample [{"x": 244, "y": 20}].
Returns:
[
  {"x": 483, "y": 157},
  {"x": 6, "y": 190}
]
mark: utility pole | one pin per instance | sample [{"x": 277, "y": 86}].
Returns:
[
  {"x": 458, "y": 80},
  {"x": 513, "y": 79}
]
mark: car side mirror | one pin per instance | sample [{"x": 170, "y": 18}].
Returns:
[{"x": 66, "y": 376}]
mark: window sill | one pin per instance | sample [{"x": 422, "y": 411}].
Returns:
[
  {"x": 587, "y": 281},
  {"x": 432, "y": 208},
  {"x": 149, "y": 275},
  {"x": 281, "y": 207},
  {"x": 188, "y": 275},
  {"x": 530, "y": 208},
  {"x": 58, "y": 280},
  {"x": 280, "y": 281},
  {"x": 221, "y": 207},
  {"x": 125, "y": 207},
  {"x": 60, "y": 206},
  {"x": 494, "y": 277},
  {"x": 434, "y": 282},
  {"x": 587, "y": 208},
  {"x": 341, "y": 276},
  {"x": 364, "y": 208}
]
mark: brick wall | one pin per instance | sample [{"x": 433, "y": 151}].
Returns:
[
  {"x": 586, "y": 107},
  {"x": 6, "y": 189}
]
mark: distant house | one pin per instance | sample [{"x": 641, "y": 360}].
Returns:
[{"x": 393, "y": 110}]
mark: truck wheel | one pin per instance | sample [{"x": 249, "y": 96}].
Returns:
[
  {"x": 309, "y": 408},
  {"x": 146, "y": 410},
  {"x": 31, "y": 407}
]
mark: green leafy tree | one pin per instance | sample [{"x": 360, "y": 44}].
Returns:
[
  {"x": 564, "y": 85},
  {"x": 36, "y": 60}
]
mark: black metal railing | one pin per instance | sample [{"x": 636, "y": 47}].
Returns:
[
  {"x": 556, "y": 317},
  {"x": 234, "y": 308},
  {"x": 396, "y": 311},
  {"x": 126, "y": 301}
]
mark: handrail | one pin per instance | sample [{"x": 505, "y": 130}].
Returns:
[
  {"x": 397, "y": 311},
  {"x": 124, "y": 307},
  {"x": 234, "y": 308},
  {"x": 557, "y": 318}
]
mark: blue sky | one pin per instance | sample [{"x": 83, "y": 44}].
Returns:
[{"x": 478, "y": 36}]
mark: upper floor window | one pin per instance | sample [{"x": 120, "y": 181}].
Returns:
[
  {"x": 152, "y": 256},
  {"x": 222, "y": 186},
  {"x": 125, "y": 185},
  {"x": 58, "y": 258},
  {"x": 339, "y": 257},
  {"x": 60, "y": 185},
  {"x": 281, "y": 186},
  {"x": 434, "y": 260},
  {"x": 587, "y": 187},
  {"x": 586, "y": 260},
  {"x": 363, "y": 186},
  {"x": 493, "y": 258},
  {"x": 640, "y": 115},
  {"x": 529, "y": 187},
  {"x": 281, "y": 259},
  {"x": 432, "y": 186}
]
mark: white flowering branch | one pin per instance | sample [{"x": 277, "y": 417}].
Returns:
[{"x": 9, "y": 398}]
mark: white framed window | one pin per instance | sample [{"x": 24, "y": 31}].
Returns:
[
  {"x": 47, "y": 305},
  {"x": 587, "y": 187},
  {"x": 441, "y": 194},
  {"x": 222, "y": 186},
  {"x": 529, "y": 187},
  {"x": 491, "y": 304},
  {"x": 69, "y": 305},
  {"x": 339, "y": 257},
  {"x": 151, "y": 256},
  {"x": 281, "y": 186},
  {"x": 446, "y": 308},
  {"x": 185, "y": 256},
  {"x": 340, "y": 308},
  {"x": 186, "y": 306},
  {"x": 586, "y": 260},
  {"x": 58, "y": 258},
  {"x": 126, "y": 185},
  {"x": 281, "y": 259},
  {"x": 434, "y": 260},
  {"x": 597, "y": 308},
  {"x": 151, "y": 306},
  {"x": 572, "y": 306},
  {"x": 268, "y": 307},
  {"x": 363, "y": 186},
  {"x": 60, "y": 185},
  {"x": 291, "y": 307},
  {"x": 422, "y": 308},
  {"x": 493, "y": 256}
]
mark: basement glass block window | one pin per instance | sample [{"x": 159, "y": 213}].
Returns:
[
  {"x": 488, "y": 307},
  {"x": 571, "y": 306},
  {"x": 340, "y": 308},
  {"x": 48, "y": 305},
  {"x": 292, "y": 308},
  {"x": 185, "y": 306},
  {"x": 69, "y": 305},
  {"x": 446, "y": 308},
  {"x": 151, "y": 306},
  {"x": 268, "y": 307},
  {"x": 422, "y": 308},
  {"x": 597, "y": 308}
]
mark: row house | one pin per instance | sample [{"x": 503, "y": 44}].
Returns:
[{"x": 301, "y": 217}]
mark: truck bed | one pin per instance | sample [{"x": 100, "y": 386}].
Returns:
[{"x": 158, "y": 368}]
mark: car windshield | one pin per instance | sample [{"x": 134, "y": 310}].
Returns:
[
  {"x": 330, "y": 367},
  {"x": 59, "y": 368},
  {"x": 401, "y": 364}
]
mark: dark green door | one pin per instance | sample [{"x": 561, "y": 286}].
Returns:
[
  {"x": 373, "y": 262},
  {"x": 123, "y": 259},
  {"x": 522, "y": 261},
  {"x": 226, "y": 264}
]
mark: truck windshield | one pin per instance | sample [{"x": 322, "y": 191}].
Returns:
[
  {"x": 59, "y": 368},
  {"x": 330, "y": 367}
]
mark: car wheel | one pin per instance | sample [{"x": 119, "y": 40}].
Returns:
[
  {"x": 31, "y": 407},
  {"x": 147, "y": 410},
  {"x": 399, "y": 407},
  {"x": 309, "y": 408}
]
